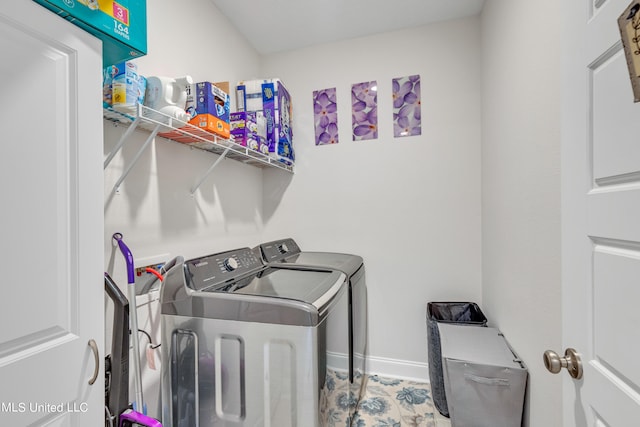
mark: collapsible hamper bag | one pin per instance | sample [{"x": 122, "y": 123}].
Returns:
[
  {"x": 485, "y": 381},
  {"x": 460, "y": 313}
]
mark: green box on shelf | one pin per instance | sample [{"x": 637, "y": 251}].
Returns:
[{"x": 121, "y": 24}]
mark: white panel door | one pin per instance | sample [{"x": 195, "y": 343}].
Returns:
[
  {"x": 51, "y": 224},
  {"x": 601, "y": 218}
]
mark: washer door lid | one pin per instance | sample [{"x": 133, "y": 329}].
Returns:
[{"x": 316, "y": 287}]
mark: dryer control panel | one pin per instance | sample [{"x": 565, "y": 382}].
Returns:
[
  {"x": 279, "y": 250},
  {"x": 212, "y": 270}
]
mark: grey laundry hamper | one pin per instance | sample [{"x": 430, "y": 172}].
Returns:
[
  {"x": 459, "y": 313},
  {"x": 485, "y": 381}
]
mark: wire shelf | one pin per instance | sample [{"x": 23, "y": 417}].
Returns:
[
  {"x": 193, "y": 136},
  {"x": 170, "y": 128}
]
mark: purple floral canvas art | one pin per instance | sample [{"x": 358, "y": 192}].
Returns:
[
  {"x": 406, "y": 106},
  {"x": 364, "y": 110},
  {"x": 325, "y": 116}
]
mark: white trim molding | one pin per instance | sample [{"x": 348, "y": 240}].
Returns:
[
  {"x": 385, "y": 367},
  {"x": 395, "y": 368}
]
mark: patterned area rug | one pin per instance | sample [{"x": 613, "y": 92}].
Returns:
[{"x": 387, "y": 402}]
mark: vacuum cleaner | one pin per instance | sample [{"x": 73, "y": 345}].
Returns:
[{"x": 117, "y": 407}]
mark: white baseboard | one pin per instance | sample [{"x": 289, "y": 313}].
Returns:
[
  {"x": 395, "y": 368},
  {"x": 336, "y": 359},
  {"x": 385, "y": 367}
]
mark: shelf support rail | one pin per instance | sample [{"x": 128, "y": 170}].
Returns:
[
  {"x": 153, "y": 134},
  {"x": 120, "y": 143},
  {"x": 198, "y": 183}
]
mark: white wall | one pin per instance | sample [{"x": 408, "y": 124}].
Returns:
[
  {"x": 154, "y": 209},
  {"x": 409, "y": 206},
  {"x": 521, "y": 187},
  {"x": 430, "y": 224}
]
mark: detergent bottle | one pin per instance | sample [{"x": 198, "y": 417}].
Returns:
[{"x": 168, "y": 95}]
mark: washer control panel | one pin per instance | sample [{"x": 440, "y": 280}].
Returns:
[
  {"x": 212, "y": 270},
  {"x": 230, "y": 264}
]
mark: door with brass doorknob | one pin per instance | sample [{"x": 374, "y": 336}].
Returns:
[{"x": 571, "y": 361}]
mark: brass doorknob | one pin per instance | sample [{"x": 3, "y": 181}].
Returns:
[{"x": 571, "y": 360}]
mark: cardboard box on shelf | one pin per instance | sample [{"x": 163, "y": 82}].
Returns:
[
  {"x": 121, "y": 25},
  {"x": 211, "y": 104}
]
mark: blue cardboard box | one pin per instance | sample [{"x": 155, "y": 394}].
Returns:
[
  {"x": 120, "y": 24},
  {"x": 212, "y": 105}
]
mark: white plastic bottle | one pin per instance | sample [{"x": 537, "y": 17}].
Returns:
[{"x": 168, "y": 95}]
